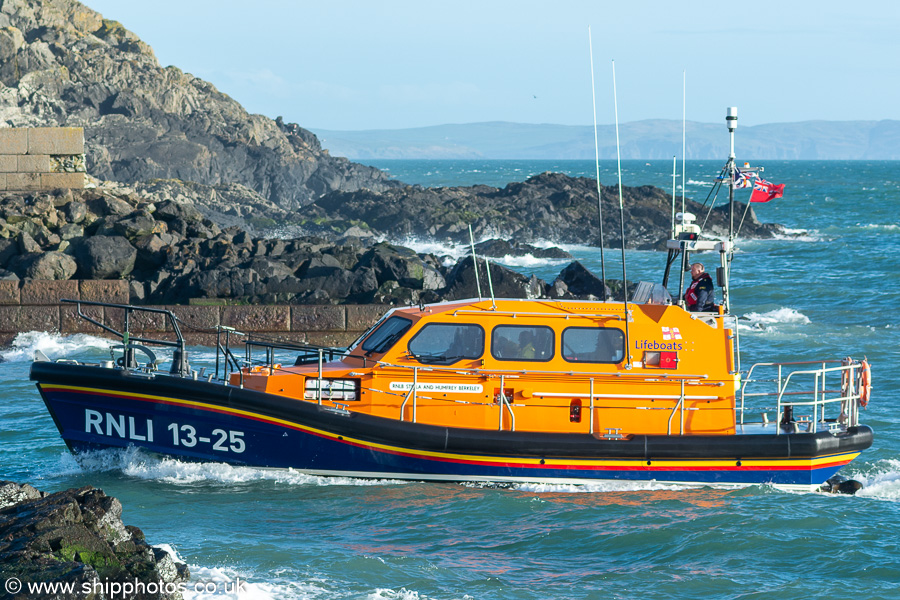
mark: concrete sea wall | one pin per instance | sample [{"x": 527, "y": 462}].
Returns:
[{"x": 36, "y": 306}]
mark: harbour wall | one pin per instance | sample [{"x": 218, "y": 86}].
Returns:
[
  {"x": 41, "y": 158},
  {"x": 36, "y": 306}
]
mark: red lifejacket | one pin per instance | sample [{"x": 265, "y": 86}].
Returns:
[{"x": 690, "y": 296}]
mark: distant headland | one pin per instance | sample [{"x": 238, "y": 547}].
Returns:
[{"x": 646, "y": 140}]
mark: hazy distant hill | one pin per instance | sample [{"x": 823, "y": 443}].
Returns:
[{"x": 651, "y": 139}]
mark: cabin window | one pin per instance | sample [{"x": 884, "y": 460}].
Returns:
[
  {"x": 383, "y": 338},
  {"x": 446, "y": 343},
  {"x": 593, "y": 344},
  {"x": 514, "y": 342}
]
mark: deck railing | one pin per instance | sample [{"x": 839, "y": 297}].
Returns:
[
  {"x": 504, "y": 402},
  {"x": 830, "y": 390}
]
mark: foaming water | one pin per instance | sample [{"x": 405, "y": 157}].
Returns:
[
  {"x": 139, "y": 464},
  {"x": 226, "y": 583},
  {"x": 52, "y": 344},
  {"x": 596, "y": 488},
  {"x": 527, "y": 262},
  {"x": 780, "y": 316}
]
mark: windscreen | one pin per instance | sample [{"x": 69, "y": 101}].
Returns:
[{"x": 383, "y": 338}]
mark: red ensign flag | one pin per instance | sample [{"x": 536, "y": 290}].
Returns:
[{"x": 763, "y": 191}]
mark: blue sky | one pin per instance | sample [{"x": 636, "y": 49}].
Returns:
[{"x": 394, "y": 64}]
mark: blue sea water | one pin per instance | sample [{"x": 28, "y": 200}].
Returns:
[{"x": 831, "y": 289}]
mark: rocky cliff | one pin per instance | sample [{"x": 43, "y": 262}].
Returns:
[{"x": 63, "y": 64}]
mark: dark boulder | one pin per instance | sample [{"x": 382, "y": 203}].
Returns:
[
  {"x": 400, "y": 264},
  {"x": 581, "y": 282},
  {"x": 105, "y": 206},
  {"x": 506, "y": 283},
  {"x": 170, "y": 210},
  {"x": 138, "y": 224},
  {"x": 105, "y": 257},
  {"x": 44, "y": 265},
  {"x": 75, "y": 212},
  {"x": 8, "y": 249}
]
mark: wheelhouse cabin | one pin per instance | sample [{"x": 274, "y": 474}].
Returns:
[{"x": 531, "y": 365}]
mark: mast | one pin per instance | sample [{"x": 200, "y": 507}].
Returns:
[
  {"x": 726, "y": 258},
  {"x": 731, "y": 122},
  {"x": 687, "y": 234},
  {"x": 674, "y": 179}
]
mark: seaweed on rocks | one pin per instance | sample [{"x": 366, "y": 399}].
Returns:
[{"x": 76, "y": 537}]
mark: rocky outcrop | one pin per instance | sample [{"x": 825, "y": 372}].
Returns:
[
  {"x": 76, "y": 537},
  {"x": 503, "y": 248},
  {"x": 172, "y": 254},
  {"x": 63, "y": 64},
  {"x": 548, "y": 207}
]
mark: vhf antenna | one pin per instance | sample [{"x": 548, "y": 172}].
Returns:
[{"x": 597, "y": 164}]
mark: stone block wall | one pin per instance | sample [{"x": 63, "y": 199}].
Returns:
[
  {"x": 41, "y": 158},
  {"x": 36, "y": 306}
]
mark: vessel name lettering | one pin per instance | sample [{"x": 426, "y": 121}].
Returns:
[
  {"x": 652, "y": 345},
  {"x": 425, "y": 386},
  {"x": 119, "y": 426}
]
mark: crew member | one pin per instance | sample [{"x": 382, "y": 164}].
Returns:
[{"x": 700, "y": 296}]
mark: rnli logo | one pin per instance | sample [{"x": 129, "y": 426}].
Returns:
[{"x": 671, "y": 333}]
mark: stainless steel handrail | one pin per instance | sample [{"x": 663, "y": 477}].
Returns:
[
  {"x": 678, "y": 405},
  {"x": 412, "y": 393},
  {"x": 848, "y": 394},
  {"x": 661, "y": 376}
]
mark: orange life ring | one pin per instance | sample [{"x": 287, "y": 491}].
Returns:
[{"x": 865, "y": 383}]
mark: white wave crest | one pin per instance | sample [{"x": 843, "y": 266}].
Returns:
[
  {"x": 137, "y": 463},
  {"x": 226, "y": 582},
  {"x": 434, "y": 247},
  {"x": 606, "y": 486},
  {"x": 529, "y": 260},
  {"x": 799, "y": 235},
  {"x": 388, "y": 594},
  {"x": 779, "y": 316},
  {"x": 881, "y": 482},
  {"x": 53, "y": 345}
]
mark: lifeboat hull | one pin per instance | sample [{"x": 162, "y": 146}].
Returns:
[{"x": 96, "y": 408}]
